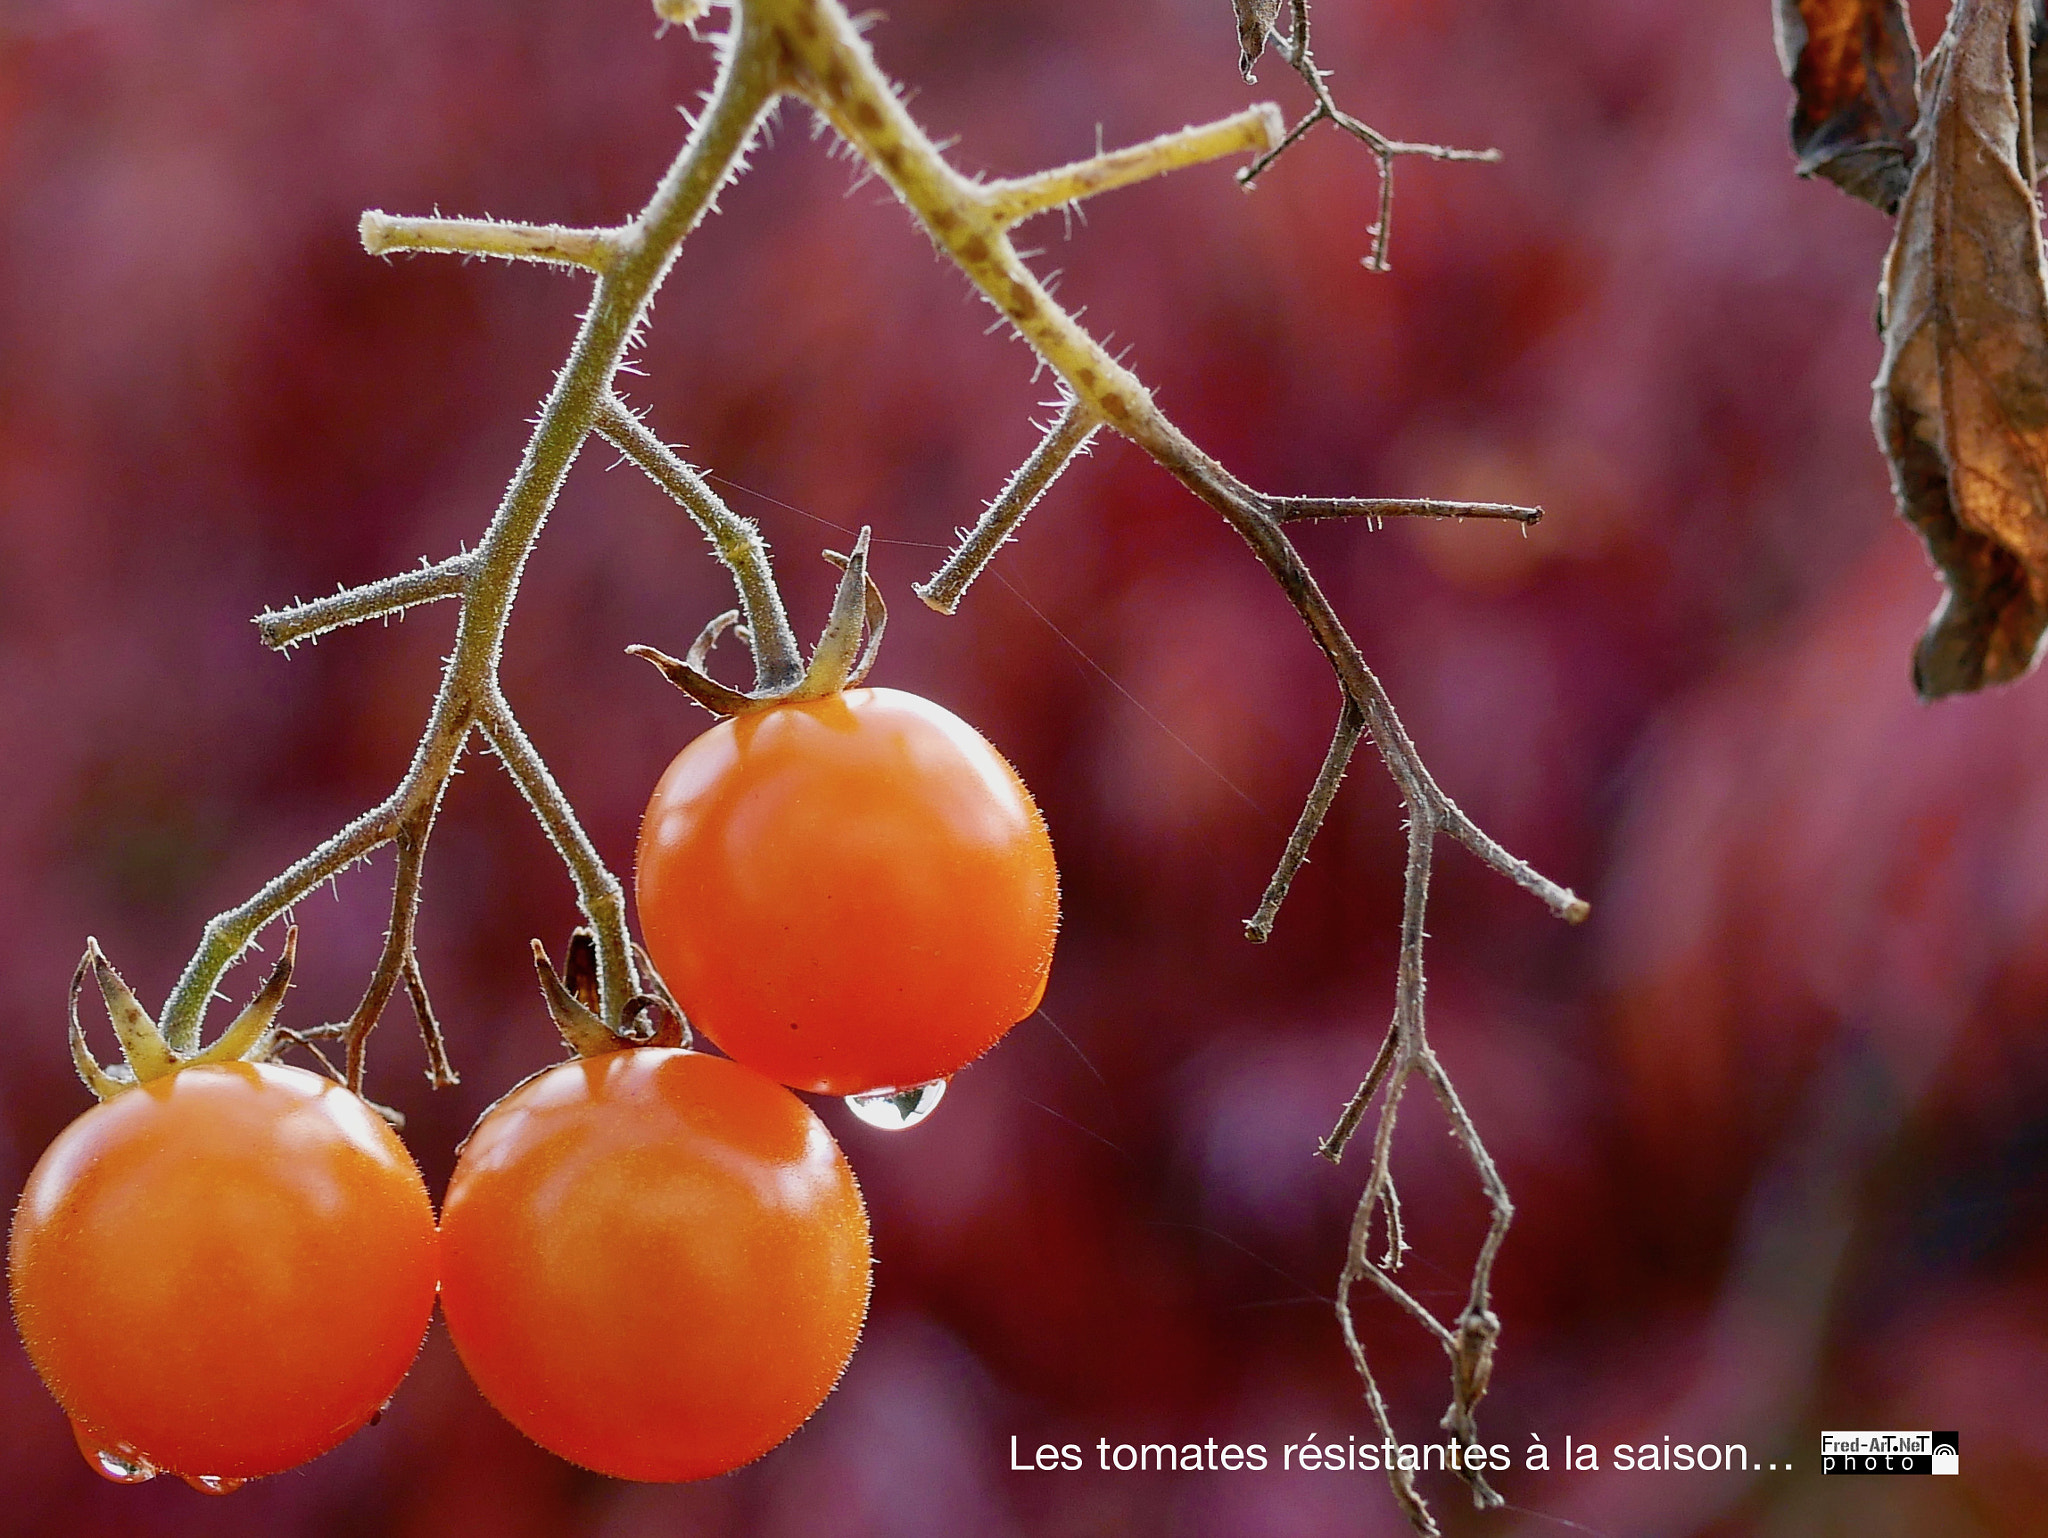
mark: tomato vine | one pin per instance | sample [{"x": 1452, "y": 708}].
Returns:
[{"x": 811, "y": 52}]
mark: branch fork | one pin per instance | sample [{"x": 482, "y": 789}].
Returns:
[{"x": 1256, "y": 25}]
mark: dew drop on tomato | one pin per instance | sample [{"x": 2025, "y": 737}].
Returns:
[
  {"x": 213, "y": 1484},
  {"x": 120, "y": 1463},
  {"x": 898, "y": 1110}
]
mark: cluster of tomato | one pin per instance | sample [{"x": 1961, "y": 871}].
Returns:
[{"x": 653, "y": 1261}]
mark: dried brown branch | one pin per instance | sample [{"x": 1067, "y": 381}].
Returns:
[
  {"x": 1333, "y": 1146},
  {"x": 1350, "y": 727},
  {"x": 440, "y": 1072},
  {"x": 395, "y": 961},
  {"x": 1294, "y": 47},
  {"x": 1374, "y": 509}
]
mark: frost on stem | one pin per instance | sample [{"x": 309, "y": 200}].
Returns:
[{"x": 811, "y": 50}]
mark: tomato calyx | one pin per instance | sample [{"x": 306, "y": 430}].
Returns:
[
  {"x": 651, "y": 1019},
  {"x": 838, "y": 662},
  {"x": 145, "y": 1054}
]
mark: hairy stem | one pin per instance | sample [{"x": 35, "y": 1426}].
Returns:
[
  {"x": 1372, "y": 509},
  {"x": 777, "y": 662},
  {"x": 383, "y": 234},
  {"x": 645, "y": 250},
  {"x": 1350, "y": 724},
  {"x": 598, "y": 891},
  {"x": 1018, "y": 198},
  {"x": 282, "y": 628},
  {"x": 1067, "y": 437}
]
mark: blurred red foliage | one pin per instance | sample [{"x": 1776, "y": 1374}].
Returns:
[{"x": 1776, "y": 1119}]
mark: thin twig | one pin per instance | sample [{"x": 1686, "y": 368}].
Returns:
[
  {"x": 441, "y": 1073},
  {"x": 1350, "y": 726},
  {"x": 558, "y": 245},
  {"x": 1358, "y": 1263},
  {"x": 598, "y": 892},
  {"x": 396, "y": 954},
  {"x": 1257, "y": 128},
  {"x": 1067, "y": 437},
  {"x": 747, "y": 84},
  {"x": 281, "y": 628},
  {"x": 1294, "y": 45},
  {"x": 1333, "y": 1146},
  {"x": 777, "y": 662},
  {"x": 1296, "y": 509}
]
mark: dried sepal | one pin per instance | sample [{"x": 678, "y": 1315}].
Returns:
[
  {"x": 649, "y": 1022},
  {"x": 581, "y": 1028},
  {"x": 699, "y": 654},
  {"x": 579, "y": 968},
  {"x": 1254, "y": 20},
  {"x": 104, "y": 1083},
  {"x": 840, "y": 660},
  {"x": 142, "y": 1044},
  {"x": 247, "y": 1036},
  {"x": 699, "y": 685},
  {"x": 658, "y": 988},
  {"x": 873, "y": 614}
]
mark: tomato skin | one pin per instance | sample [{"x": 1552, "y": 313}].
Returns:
[
  {"x": 228, "y": 1269},
  {"x": 655, "y": 1262},
  {"x": 848, "y": 894}
]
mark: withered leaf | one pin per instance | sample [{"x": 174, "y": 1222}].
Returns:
[
  {"x": 1962, "y": 396},
  {"x": 2037, "y": 34},
  {"x": 1254, "y": 20},
  {"x": 1852, "y": 65}
]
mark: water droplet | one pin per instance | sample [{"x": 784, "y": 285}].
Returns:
[
  {"x": 120, "y": 1463},
  {"x": 897, "y": 1110},
  {"x": 213, "y": 1484}
]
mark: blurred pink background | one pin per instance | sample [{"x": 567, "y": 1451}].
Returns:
[{"x": 1776, "y": 1118}]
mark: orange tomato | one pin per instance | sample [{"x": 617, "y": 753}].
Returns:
[
  {"x": 848, "y": 894},
  {"x": 655, "y": 1262},
  {"x": 223, "y": 1272}
]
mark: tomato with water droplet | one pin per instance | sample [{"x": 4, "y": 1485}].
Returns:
[
  {"x": 848, "y": 894},
  {"x": 223, "y": 1272}
]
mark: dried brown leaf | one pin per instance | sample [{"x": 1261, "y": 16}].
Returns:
[
  {"x": 1852, "y": 64},
  {"x": 1962, "y": 397},
  {"x": 1254, "y": 20},
  {"x": 2037, "y": 34}
]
